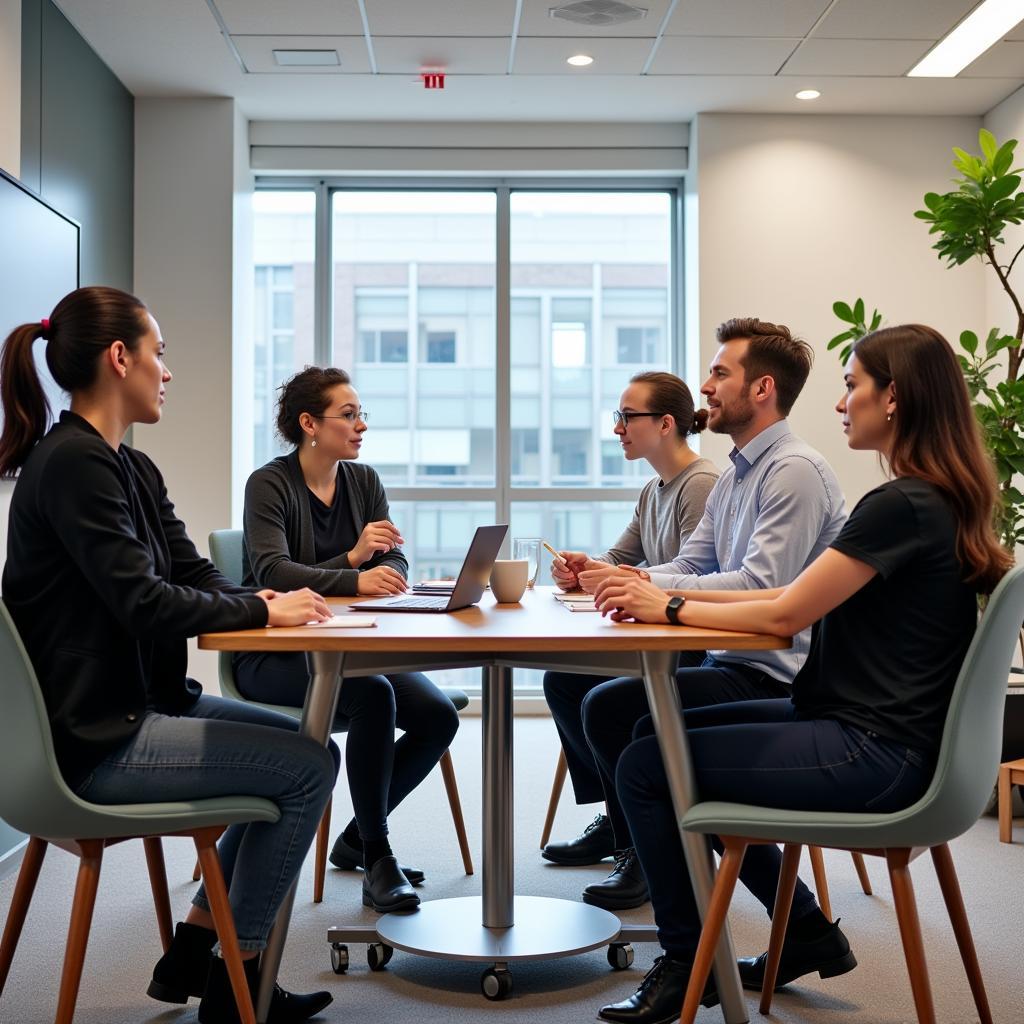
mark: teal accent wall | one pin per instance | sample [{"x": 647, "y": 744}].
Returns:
[{"x": 78, "y": 153}]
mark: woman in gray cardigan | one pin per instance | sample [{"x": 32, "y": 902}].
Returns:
[{"x": 316, "y": 518}]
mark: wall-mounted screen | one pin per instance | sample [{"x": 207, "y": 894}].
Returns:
[{"x": 39, "y": 264}]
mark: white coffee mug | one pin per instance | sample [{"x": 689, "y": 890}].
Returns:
[{"x": 508, "y": 579}]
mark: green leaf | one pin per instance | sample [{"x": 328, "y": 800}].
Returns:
[
  {"x": 858, "y": 311},
  {"x": 1003, "y": 159},
  {"x": 988, "y": 144},
  {"x": 1002, "y": 187},
  {"x": 839, "y": 339},
  {"x": 876, "y": 320},
  {"x": 969, "y": 341},
  {"x": 932, "y": 200},
  {"x": 843, "y": 311}
]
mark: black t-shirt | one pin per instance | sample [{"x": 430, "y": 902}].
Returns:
[
  {"x": 886, "y": 659},
  {"x": 333, "y": 528}
]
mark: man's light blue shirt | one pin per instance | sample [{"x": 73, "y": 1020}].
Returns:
[{"x": 771, "y": 513}]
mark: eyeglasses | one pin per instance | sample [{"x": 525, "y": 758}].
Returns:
[
  {"x": 349, "y": 417},
  {"x": 618, "y": 416}
]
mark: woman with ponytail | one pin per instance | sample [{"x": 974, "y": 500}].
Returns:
[
  {"x": 105, "y": 586},
  {"x": 894, "y": 603},
  {"x": 655, "y": 417}
]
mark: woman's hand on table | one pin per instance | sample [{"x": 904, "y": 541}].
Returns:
[
  {"x": 595, "y": 573},
  {"x": 564, "y": 569},
  {"x": 382, "y": 581},
  {"x": 294, "y": 607},
  {"x": 626, "y": 596},
  {"x": 381, "y": 536}
]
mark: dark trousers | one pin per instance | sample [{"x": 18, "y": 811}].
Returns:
[
  {"x": 382, "y": 771},
  {"x": 564, "y": 692},
  {"x": 612, "y": 710},
  {"x": 762, "y": 753}
]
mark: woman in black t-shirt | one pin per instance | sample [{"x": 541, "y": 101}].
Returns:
[
  {"x": 318, "y": 518},
  {"x": 894, "y": 605}
]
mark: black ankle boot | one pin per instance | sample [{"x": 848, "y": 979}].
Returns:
[
  {"x": 219, "y": 1007},
  {"x": 347, "y": 857},
  {"x": 624, "y": 888},
  {"x": 828, "y": 953},
  {"x": 659, "y": 999},
  {"x": 182, "y": 971}
]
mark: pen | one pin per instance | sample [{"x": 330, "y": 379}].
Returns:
[{"x": 552, "y": 551}]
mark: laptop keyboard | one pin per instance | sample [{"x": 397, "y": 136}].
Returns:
[{"x": 419, "y": 602}]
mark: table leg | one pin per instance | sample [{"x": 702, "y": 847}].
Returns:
[
  {"x": 666, "y": 712},
  {"x": 498, "y": 882},
  {"x": 317, "y": 715}
]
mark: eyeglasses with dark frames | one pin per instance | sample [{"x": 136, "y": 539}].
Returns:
[{"x": 620, "y": 416}]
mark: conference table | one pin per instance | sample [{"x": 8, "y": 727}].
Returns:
[{"x": 500, "y": 927}]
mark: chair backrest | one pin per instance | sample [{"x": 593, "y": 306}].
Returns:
[
  {"x": 34, "y": 798},
  {"x": 968, "y": 759},
  {"x": 226, "y": 554}
]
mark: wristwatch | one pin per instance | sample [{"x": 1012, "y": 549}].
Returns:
[{"x": 672, "y": 609}]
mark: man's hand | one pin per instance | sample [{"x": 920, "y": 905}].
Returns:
[
  {"x": 596, "y": 573},
  {"x": 379, "y": 536},
  {"x": 381, "y": 581},
  {"x": 566, "y": 566},
  {"x": 626, "y": 596},
  {"x": 294, "y": 607}
]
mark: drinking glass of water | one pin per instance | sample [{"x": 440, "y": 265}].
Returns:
[{"x": 528, "y": 548}]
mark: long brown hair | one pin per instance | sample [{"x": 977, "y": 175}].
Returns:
[
  {"x": 82, "y": 325},
  {"x": 936, "y": 438}
]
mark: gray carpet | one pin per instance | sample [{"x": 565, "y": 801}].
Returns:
[{"x": 125, "y": 943}]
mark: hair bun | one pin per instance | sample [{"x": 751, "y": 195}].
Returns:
[{"x": 700, "y": 421}]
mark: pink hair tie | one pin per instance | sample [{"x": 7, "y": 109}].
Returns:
[{"x": 45, "y": 323}]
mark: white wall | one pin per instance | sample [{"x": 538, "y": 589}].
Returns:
[
  {"x": 10, "y": 86},
  {"x": 184, "y": 253},
  {"x": 798, "y": 211}
]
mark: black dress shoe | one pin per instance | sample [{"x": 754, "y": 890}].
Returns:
[
  {"x": 829, "y": 954},
  {"x": 625, "y": 887},
  {"x": 659, "y": 999},
  {"x": 594, "y": 844},
  {"x": 182, "y": 971},
  {"x": 219, "y": 1007},
  {"x": 348, "y": 858},
  {"x": 386, "y": 889}
]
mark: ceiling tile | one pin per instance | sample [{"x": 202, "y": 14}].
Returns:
[
  {"x": 298, "y": 17},
  {"x": 861, "y": 57},
  {"x": 611, "y": 56},
  {"x": 419, "y": 18},
  {"x": 402, "y": 55},
  {"x": 536, "y": 21},
  {"x": 720, "y": 55},
  {"x": 1004, "y": 60},
  {"x": 791, "y": 18},
  {"x": 883, "y": 19},
  {"x": 258, "y": 53}
]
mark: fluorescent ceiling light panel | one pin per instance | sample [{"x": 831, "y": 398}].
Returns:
[
  {"x": 982, "y": 28},
  {"x": 306, "y": 58}
]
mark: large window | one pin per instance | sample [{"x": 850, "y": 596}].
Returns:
[{"x": 487, "y": 406}]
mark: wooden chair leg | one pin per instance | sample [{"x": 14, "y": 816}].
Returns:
[
  {"x": 556, "y": 794},
  {"x": 158, "y": 883},
  {"x": 197, "y": 872},
  {"x": 862, "y": 874},
  {"x": 950, "y": 886},
  {"x": 780, "y": 920},
  {"x": 224, "y": 921},
  {"x": 452, "y": 788},
  {"x": 898, "y": 861},
  {"x": 1005, "y": 805},
  {"x": 90, "y": 861},
  {"x": 714, "y": 920},
  {"x": 820, "y": 880},
  {"x": 323, "y": 835},
  {"x": 31, "y": 862}
]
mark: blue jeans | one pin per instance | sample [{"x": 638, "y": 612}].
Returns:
[
  {"x": 763, "y": 753},
  {"x": 226, "y": 748}
]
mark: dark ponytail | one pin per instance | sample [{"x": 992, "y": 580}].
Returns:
[
  {"x": 82, "y": 326},
  {"x": 670, "y": 395}
]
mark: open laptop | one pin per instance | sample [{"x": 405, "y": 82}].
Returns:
[{"x": 469, "y": 587}]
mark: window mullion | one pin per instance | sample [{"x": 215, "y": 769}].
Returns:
[
  {"x": 503, "y": 361},
  {"x": 323, "y": 267}
]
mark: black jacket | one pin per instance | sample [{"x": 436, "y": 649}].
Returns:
[{"x": 105, "y": 586}]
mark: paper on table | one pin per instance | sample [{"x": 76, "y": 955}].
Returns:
[
  {"x": 573, "y": 597},
  {"x": 347, "y": 622}
]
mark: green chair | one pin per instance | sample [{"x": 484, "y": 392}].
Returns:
[
  {"x": 959, "y": 792},
  {"x": 226, "y": 554},
  {"x": 35, "y": 799}
]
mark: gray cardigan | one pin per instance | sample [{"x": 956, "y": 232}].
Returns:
[{"x": 278, "y": 550}]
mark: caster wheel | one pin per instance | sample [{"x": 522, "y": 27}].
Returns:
[
  {"x": 339, "y": 957},
  {"x": 378, "y": 955},
  {"x": 620, "y": 956},
  {"x": 496, "y": 984}
]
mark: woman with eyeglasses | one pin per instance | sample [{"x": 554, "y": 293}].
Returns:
[
  {"x": 317, "y": 518},
  {"x": 655, "y": 417}
]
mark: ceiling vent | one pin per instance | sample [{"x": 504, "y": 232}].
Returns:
[{"x": 598, "y": 13}]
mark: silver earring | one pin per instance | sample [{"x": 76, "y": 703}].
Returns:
[
  {"x": 888, "y": 419},
  {"x": 313, "y": 445}
]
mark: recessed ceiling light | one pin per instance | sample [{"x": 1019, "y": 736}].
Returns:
[
  {"x": 808, "y": 94},
  {"x": 581, "y": 60},
  {"x": 982, "y": 28},
  {"x": 306, "y": 58}
]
